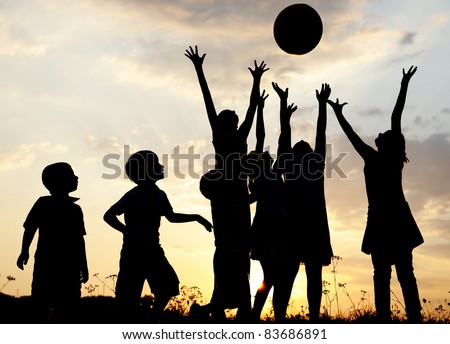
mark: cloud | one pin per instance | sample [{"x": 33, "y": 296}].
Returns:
[
  {"x": 372, "y": 112},
  {"x": 16, "y": 41},
  {"x": 104, "y": 144},
  {"x": 144, "y": 129},
  {"x": 24, "y": 155},
  {"x": 408, "y": 38},
  {"x": 427, "y": 171}
]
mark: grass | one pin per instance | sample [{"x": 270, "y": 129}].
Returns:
[{"x": 101, "y": 310}]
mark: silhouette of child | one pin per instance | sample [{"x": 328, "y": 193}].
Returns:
[
  {"x": 391, "y": 231},
  {"x": 270, "y": 231},
  {"x": 303, "y": 170},
  {"x": 60, "y": 264},
  {"x": 229, "y": 203},
  {"x": 142, "y": 257}
]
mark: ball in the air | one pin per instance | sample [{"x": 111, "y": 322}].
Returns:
[{"x": 298, "y": 29}]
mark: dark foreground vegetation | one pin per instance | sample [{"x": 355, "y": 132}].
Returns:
[{"x": 101, "y": 310}]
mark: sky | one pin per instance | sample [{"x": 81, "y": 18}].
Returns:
[{"x": 91, "y": 81}]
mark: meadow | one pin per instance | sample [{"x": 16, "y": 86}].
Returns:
[{"x": 101, "y": 310}]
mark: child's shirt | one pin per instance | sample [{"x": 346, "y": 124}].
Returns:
[
  {"x": 60, "y": 244},
  {"x": 142, "y": 207}
]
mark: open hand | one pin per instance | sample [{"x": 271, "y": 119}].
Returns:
[
  {"x": 290, "y": 110},
  {"x": 324, "y": 93},
  {"x": 193, "y": 55},
  {"x": 408, "y": 75},
  {"x": 282, "y": 94},
  {"x": 259, "y": 70},
  {"x": 336, "y": 106},
  {"x": 262, "y": 99}
]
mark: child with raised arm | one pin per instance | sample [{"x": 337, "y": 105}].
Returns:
[
  {"x": 304, "y": 178},
  {"x": 229, "y": 200},
  {"x": 391, "y": 232},
  {"x": 60, "y": 264},
  {"x": 142, "y": 257},
  {"x": 270, "y": 231}
]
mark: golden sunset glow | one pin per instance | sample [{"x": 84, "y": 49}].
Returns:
[{"x": 88, "y": 82}]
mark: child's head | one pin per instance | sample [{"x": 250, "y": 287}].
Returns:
[
  {"x": 143, "y": 167},
  {"x": 301, "y": 149},
  {"x": 228, "y": 120},
  {"x": 392, "y": 145},
  {"x": 59, "y": 178}
]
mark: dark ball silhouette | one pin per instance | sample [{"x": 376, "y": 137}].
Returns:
[{"x": 298, "y": 29}]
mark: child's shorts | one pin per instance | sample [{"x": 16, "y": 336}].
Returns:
[{"x": 153, "y": 267}]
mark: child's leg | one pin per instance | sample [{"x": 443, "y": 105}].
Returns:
[
  {"x": 381, "y": 280},
  {"x": 39, "y": 310},
  {"x": 263, "y": 291},
  {"x": 283, "y": 289},
  {"x": 128, "y": 294},
  {"x": 408, "y": 283},
  {"x": 216, "y": 307},
  {"x": 314, "y": 288},
  {"x": 243, "y": 287},
  {"x": 163, "y": 282},
  {"x": 159, "y": 305}
]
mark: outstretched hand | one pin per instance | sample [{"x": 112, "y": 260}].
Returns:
[
  {"x": 205, "y": 223},
  {"x": 262, "y": 99},
  {"x": 324, "y": 93},
  {"x": 282, "y": 94},
  {"x": 259, "y": 70},
  {"x": 22, "y": 260},
  {"x": 193, "y": 55},
  {"x": 290, "y": 110},
  {"x": 336, "y": 106},
  {"x": 408, "y": 75}
]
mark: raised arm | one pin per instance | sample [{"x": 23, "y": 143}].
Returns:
[
  {"x": 362, "y": 148},
  {"x": 401, "y": 99},
  {"x": 257, "y": 73},
  {"x": 322, "y": 97},
  {"x": 284, "y": 141},
  {"x": 197, "y": 60},
  {"x": 260, "y": 130}
]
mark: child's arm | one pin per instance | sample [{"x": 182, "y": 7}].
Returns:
[
  {"x": 260, "y": 130},
  {"x": 257, "y": 73},
  {"x": 362, "y": 148},
  {"x": 180, "y": 218},
  {"x": 401, "y": 99},
  {"x": 27, "y": 239},
  {"x": 84, "y": 272},
  {"x": 197, "y": 60},
  {"x": 284, "y": 141},
  {"x": 111, "y": 219},
  {"x": 322, "y": 97}
]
